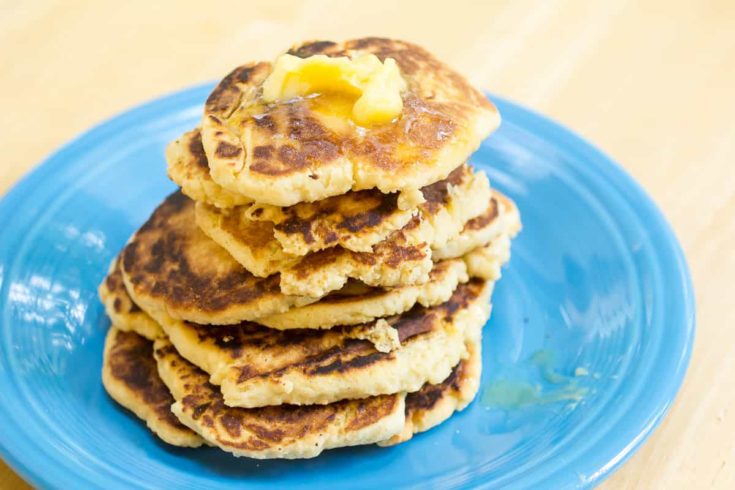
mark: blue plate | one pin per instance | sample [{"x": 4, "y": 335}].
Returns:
[{"x": 590, "y": 337}]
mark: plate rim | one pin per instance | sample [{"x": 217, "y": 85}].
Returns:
[{"x": 31, "y": 470}]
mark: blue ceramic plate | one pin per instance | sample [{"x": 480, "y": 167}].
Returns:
[{"x": 589, "y": 340}]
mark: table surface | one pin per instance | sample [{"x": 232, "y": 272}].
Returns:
[{"x": 650, "y": 82}]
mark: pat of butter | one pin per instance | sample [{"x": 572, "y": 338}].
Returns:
[{"x": 375, "y": 85}]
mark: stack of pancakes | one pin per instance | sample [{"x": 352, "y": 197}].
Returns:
[{"x": 313, "y": 284}]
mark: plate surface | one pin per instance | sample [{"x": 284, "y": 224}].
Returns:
[{"x": 589, "y": 340}]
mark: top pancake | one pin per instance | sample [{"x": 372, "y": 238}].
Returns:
[{"x": 309, "y": 149}]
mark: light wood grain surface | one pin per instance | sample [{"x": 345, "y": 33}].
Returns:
[{"x": 651, "y": 82}]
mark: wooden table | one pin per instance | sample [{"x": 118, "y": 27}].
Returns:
[{"x": 651, "y": 82}]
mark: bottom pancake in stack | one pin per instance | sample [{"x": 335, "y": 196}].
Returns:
[{"x": 181, "y": 405}]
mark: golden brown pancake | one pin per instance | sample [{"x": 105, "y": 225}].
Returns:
[
  {"x": 130, "y": 376},
  {"x": 356, "y": 220},
  {"x": 170, "y": 267},
  {"x": 256, "y": 366},
  {"x": 359, "y": 220},
  {"x": 309, "y": 149},
  {"x": 357, "y": 303},
  {"x": 344, "y": 307},
  {"x": 285, "y": 431},
  {"x": 123, "y": 313},
  {"x": 403, "y": 258},
  {"x": 433, "y": 404},
  {"x": 365, "y": 222}
]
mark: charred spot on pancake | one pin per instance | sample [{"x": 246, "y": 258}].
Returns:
[
  {"x": 429, "y": 394},
  {"x": 295, "y": 225},
  {"x": 416, "y": 321},
  {"x": 228, "y": 337},
  {"x": 341, "y": 364},
  {"x": 200, "y": 409},
  {"x": 485, "y": 218},
  {"x": 114, "y": 281},
  {"x": 398, "y": 255},
  {"x": 231, "y": 424},
  {"x": 245, "y": 373},
  {"x": 437, "y": 194},
  {"x": 197, "y": 151},
  {"x": 386, "y": 204},
  {"x": 130, "y": 361},
  {"x": 310, "y": 143},
  {"x": 225, "y": 95},
  {"x": 316, "y": 260},
  {"x": 311, "y": 48},
  {"x": 336, "y": 297},
  {"x": 462, "y": 297},
  {"x": 263, "y": 152},
  {"x": 265, "y": 121},
  {"x": 303, "y": 127},
  {"x": 227, "y": 150},
  {"x": 166, "y": 350},
  {"x": 369, "y": 411}
]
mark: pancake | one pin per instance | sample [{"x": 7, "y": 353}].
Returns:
[
  {"x": 285, "y": 431},
  {"x": 256, "y": 366},
  {"x": 358, "y": 222},
  {"x": 170, "y": 267},
  {"x": 500, "y": 218},
  {"x": 188, "y": 168},
  {"x": 433, "y": 404},
  {"x": 360, "y": 219},
  {"x": 354, "y": 304},
  {"x": 366, "y": 304},
  {"x": 130, "y": 376},
  {"x": 308, "y": 148},
  {"x": 123, "y": 313},
  {"x": 403, "y": 258}
]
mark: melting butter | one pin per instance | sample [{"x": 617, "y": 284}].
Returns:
[{"x": 374, "y": 86}]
